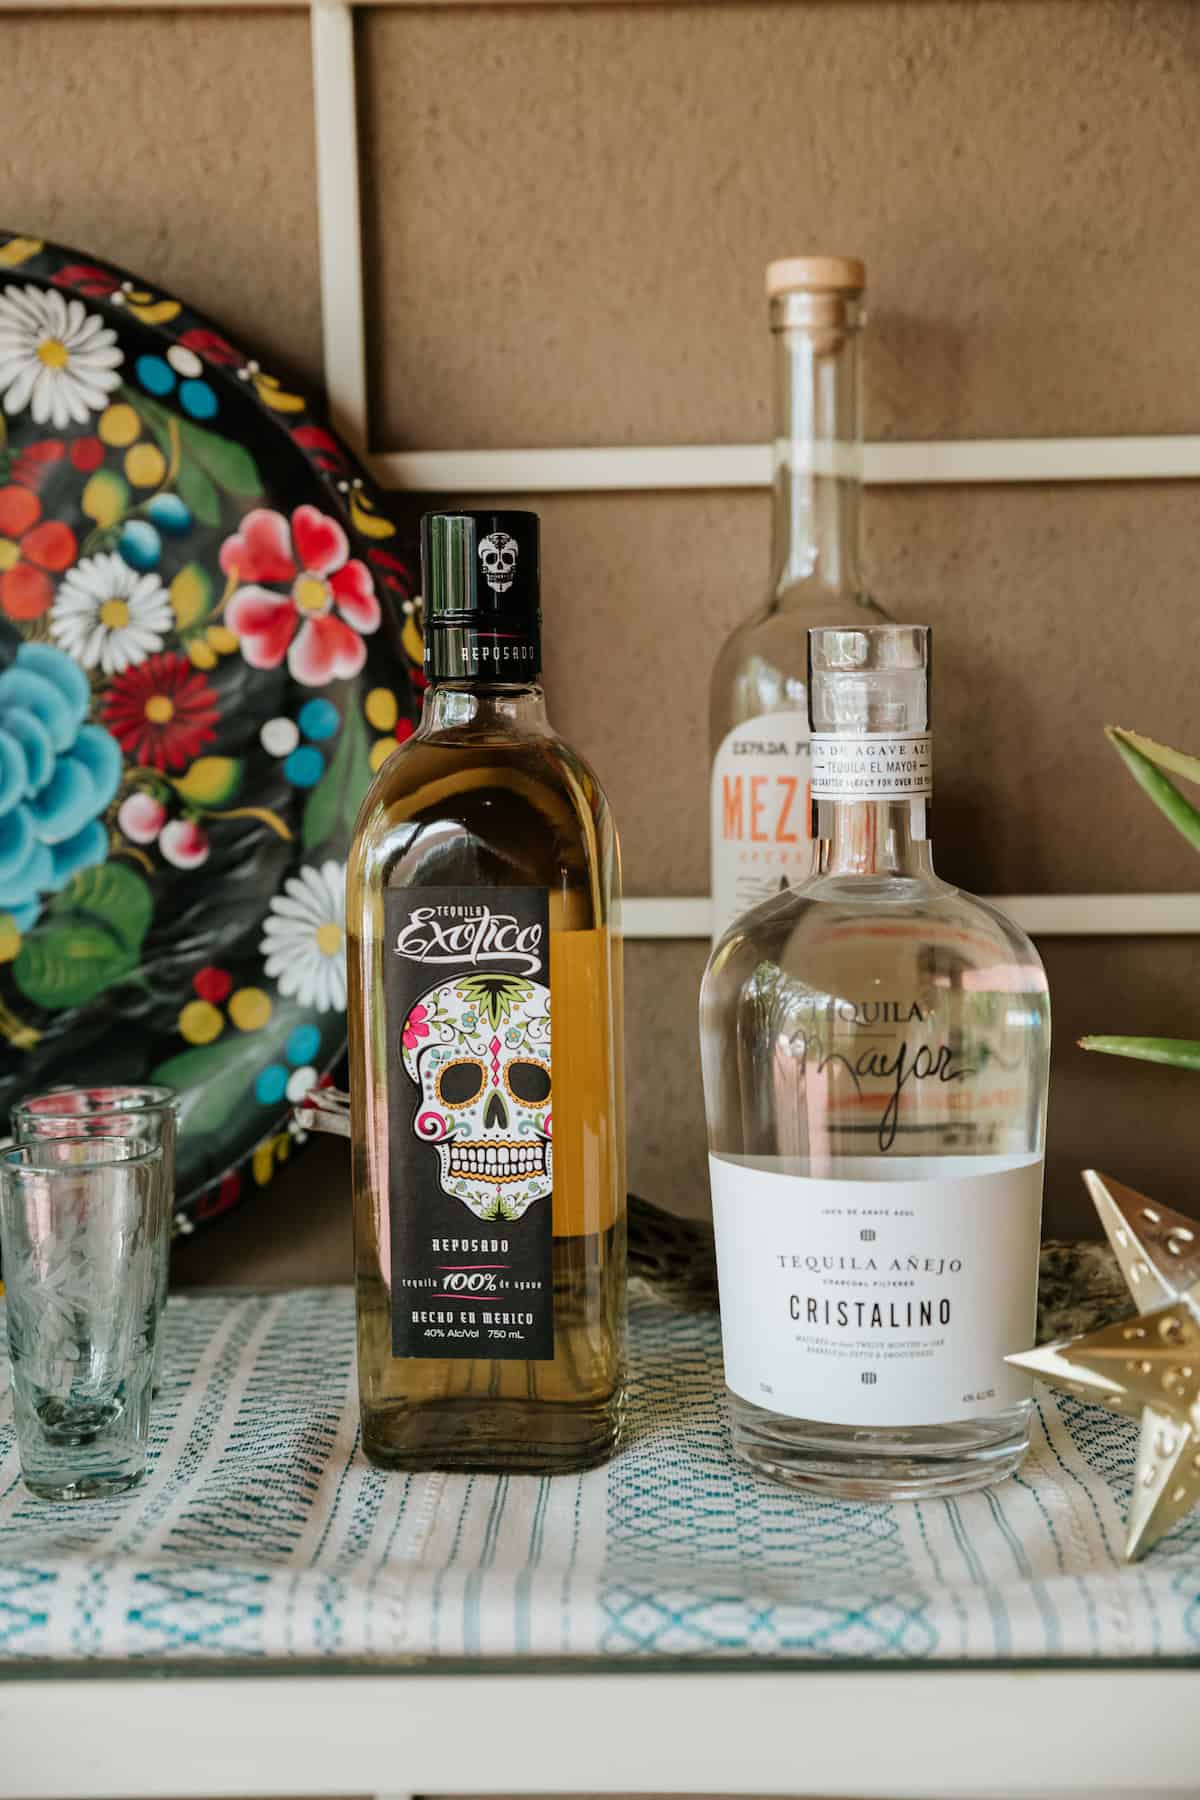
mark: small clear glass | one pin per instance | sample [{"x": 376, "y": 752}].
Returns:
[
  {"x": 82, "y": 1222},
  {"x": 149, "y": 1112}
]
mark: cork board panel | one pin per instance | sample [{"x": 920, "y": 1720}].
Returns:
[
  {"x": 568, "y": 214},
  {"x": 1055, "y": 610},
  {"x": 179, "y": 146}
]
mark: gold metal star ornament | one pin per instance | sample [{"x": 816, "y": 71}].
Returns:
[{"x": 1147, "y": 1367}]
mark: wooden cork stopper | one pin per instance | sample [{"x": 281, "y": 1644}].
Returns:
[{"x": 816, "y": 275}]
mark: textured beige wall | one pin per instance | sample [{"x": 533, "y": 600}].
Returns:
[
  {"x": 571, "y": 210},
  {"x": 567, "y": 212},
  {"x": 181, "y": 147}
]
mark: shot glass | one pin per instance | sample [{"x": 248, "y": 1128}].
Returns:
[
  {"x": 149, "y": 1113},
  {"x": 82, "y": 1221}
]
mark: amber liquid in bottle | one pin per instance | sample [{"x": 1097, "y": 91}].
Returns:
[{"x": 485, "y": 796}]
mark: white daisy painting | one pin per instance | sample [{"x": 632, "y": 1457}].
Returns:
[
  {"x": 108, "y": 616},
  {"x": 56, "y": 358},
  {"x": 304, "y": 937}
]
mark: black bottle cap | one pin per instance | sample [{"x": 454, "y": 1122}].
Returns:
[{"x": 482, "y": 596}]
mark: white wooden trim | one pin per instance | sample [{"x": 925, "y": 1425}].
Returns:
[
  {"x": 339, "y": 218},
  {"x": 675, "y": 466},
  {"x": 940, "y": 1734},
  {"x": 1042, "y": 915}
]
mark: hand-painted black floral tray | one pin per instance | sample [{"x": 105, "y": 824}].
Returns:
[{"x": 206, "y": 644}]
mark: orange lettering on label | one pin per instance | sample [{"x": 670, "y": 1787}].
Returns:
[
  {"x": 789, "y": 784},
  {"x": 731, "y": 788},
  {"x": 757, "y": 808}
]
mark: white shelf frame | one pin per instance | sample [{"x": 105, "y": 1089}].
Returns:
[
  {"x": 667, "y": 467},
  {"x": 933, "y": 1734},
  {"x": 1041, "y": 915},
  {"x": 652, "y": 468}
]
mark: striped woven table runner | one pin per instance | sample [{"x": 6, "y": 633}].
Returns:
[{"x": 262, "y": 1533}]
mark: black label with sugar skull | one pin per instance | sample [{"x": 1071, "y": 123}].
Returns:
[{"x": 467, "y": 1015}]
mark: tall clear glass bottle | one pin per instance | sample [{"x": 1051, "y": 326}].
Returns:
[
  {"x": 876, "y": 1049},
  {"x": 758, "y": 710},
  {"x": 486, "y": 1050}
]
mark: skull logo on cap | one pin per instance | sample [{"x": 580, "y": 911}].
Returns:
[
  {"x": 484, "y": 1076},
  {"x": 498, "y": 559}
]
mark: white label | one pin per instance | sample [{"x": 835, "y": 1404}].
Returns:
[
  {"x": 877, "y": 765},
  {"x": 760, "y": 814},
  {"x": 887, "y": 1300}
]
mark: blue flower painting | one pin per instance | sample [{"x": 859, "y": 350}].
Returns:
[{"x": 58, "y": 775}]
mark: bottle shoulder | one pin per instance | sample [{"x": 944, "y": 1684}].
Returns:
[
  {"x": 832, "y": 927},
  {"x": 456, "y": 808},
  {"x": 429, "y": 772}
]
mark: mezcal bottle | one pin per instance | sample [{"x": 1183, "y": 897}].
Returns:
[
  {"x": 876, "y": 1047},
  {"x": 486, "y": 1050},
  {"x": 758, "y": 708}
]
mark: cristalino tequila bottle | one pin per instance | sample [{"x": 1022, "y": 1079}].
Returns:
[
  {"x": 876, "y": 1047},
  {"x": 758, "y": 707},
  {"x": 485, "y": 1050}
]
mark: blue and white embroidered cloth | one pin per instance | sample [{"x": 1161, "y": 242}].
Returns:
[{"x": 262, "y": 1533}]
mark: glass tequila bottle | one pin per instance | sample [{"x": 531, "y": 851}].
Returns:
[
  {"x": 758, "y": 710},
  {"x": 485, "y": 1050},
  {"x": 876, "y": 1048}
]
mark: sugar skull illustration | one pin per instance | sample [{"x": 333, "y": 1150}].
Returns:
[
  {"x": 478, "y": 1047},
  {"x": 498, "y": 559}
]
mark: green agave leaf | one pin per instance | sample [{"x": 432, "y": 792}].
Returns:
[
  {"x": 198, "y": 492},
  {"x": 230, "y": 465},
  {"x": 1178, "y": 1053},
  {"x": 67, "y": 965},
  {"x": 1178, "y": 761},
  {"x": 337, "y": 796},
  {"x": 1166, "y": 796}
]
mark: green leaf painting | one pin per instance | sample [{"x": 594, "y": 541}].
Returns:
[
  {"x": 90, "y": 937},
  {"x": 197, "y": 491},
  {"x": 157, "y": 417},
  {"x": 337, "y": 796},
  {"x": 208, "y": 461},
  {"x": 229, "y": 465},
  {"x": 216, "y": 1082}
]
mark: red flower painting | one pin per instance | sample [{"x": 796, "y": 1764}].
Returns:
[
  {"x": 162, "y": 711},
  {"x": 31, "y": 549},
  {"x": 329, "y": 603}
]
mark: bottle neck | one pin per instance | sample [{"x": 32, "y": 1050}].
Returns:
[
  {"x": 500, "y": 707},
  {"x": 872, "y": 838},
  {"x": 817, "y": 452}
]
